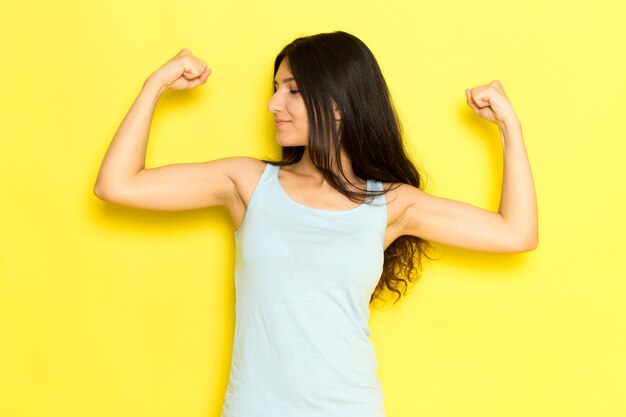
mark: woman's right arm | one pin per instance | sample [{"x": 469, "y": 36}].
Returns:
[{"x": 123, "y": 178}]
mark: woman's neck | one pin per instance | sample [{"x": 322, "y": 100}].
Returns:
[{"x": 306, "y": 167}]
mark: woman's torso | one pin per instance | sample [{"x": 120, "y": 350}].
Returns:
[{"x": 303, "y": 279}]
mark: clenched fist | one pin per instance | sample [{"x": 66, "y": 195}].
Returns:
[
  {"x": 491, "y": 103},
  {"x": 184, "y": 71}
]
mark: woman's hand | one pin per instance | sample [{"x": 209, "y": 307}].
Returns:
[
  {"x": 491, "y": 103},
  {"x": 184, "y": 71}
]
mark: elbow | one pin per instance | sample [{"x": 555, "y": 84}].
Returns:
[
  {"x": 112, "y": 191},
  {"x": 531, "y": 245},
  {"x": 102, "y": 191},
  {"x": 527, "y": 244},
  {"x": 97, "y": 191}
]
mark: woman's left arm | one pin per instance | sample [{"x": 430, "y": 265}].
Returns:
[{"x": 514, "y": 227}]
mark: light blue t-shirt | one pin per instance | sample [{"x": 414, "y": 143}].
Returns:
[{"x": 303, "y": 280}]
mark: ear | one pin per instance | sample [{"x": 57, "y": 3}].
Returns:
[{"x": 336, "y": 110}]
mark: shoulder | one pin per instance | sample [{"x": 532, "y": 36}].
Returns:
[
  {"x": 244, "y": 172},
  {"x": 242, "y": 165},
  {"x": 400, "y": 193},
  {"x": 400, "y": 197}
]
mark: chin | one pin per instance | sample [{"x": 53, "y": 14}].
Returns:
[{"x": 288, "y": 143}]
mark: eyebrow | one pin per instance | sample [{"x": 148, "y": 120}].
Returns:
[{"x": 285, "y": 80}]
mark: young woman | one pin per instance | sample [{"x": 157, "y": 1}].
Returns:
[{"x": 322, "y": 231}]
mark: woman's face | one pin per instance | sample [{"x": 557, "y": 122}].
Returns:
[{"x": 287, "y": 105}]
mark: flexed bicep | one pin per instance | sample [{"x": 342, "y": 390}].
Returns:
[{"x": 458, "y": 224}]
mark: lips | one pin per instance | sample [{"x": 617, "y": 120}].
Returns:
[{"x": 280, "y": 122}]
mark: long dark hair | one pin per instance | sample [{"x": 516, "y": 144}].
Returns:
[{"x": 338, "y": 67}]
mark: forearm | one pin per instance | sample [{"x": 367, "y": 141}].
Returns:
[
  {"x": 518, "y": 203},
  {"x": 126, "y": 154}
]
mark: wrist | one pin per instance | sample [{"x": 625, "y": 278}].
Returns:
[
  {"x": 509, "y": 123},
  {"x": 154, "y": 86},
  {"x": 511, "y": 134}
]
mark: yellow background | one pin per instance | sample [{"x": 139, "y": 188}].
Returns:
[{"x": 113, "y": 311}]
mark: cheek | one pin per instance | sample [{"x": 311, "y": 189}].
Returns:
[
  {"x": 303, "y": 126},
  {"x": 303, "y": 118}
]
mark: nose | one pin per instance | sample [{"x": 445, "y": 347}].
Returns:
[{"x": 275, "y": 104}]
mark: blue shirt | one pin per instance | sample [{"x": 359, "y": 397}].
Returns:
[{"x": 303, "y": 280}]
